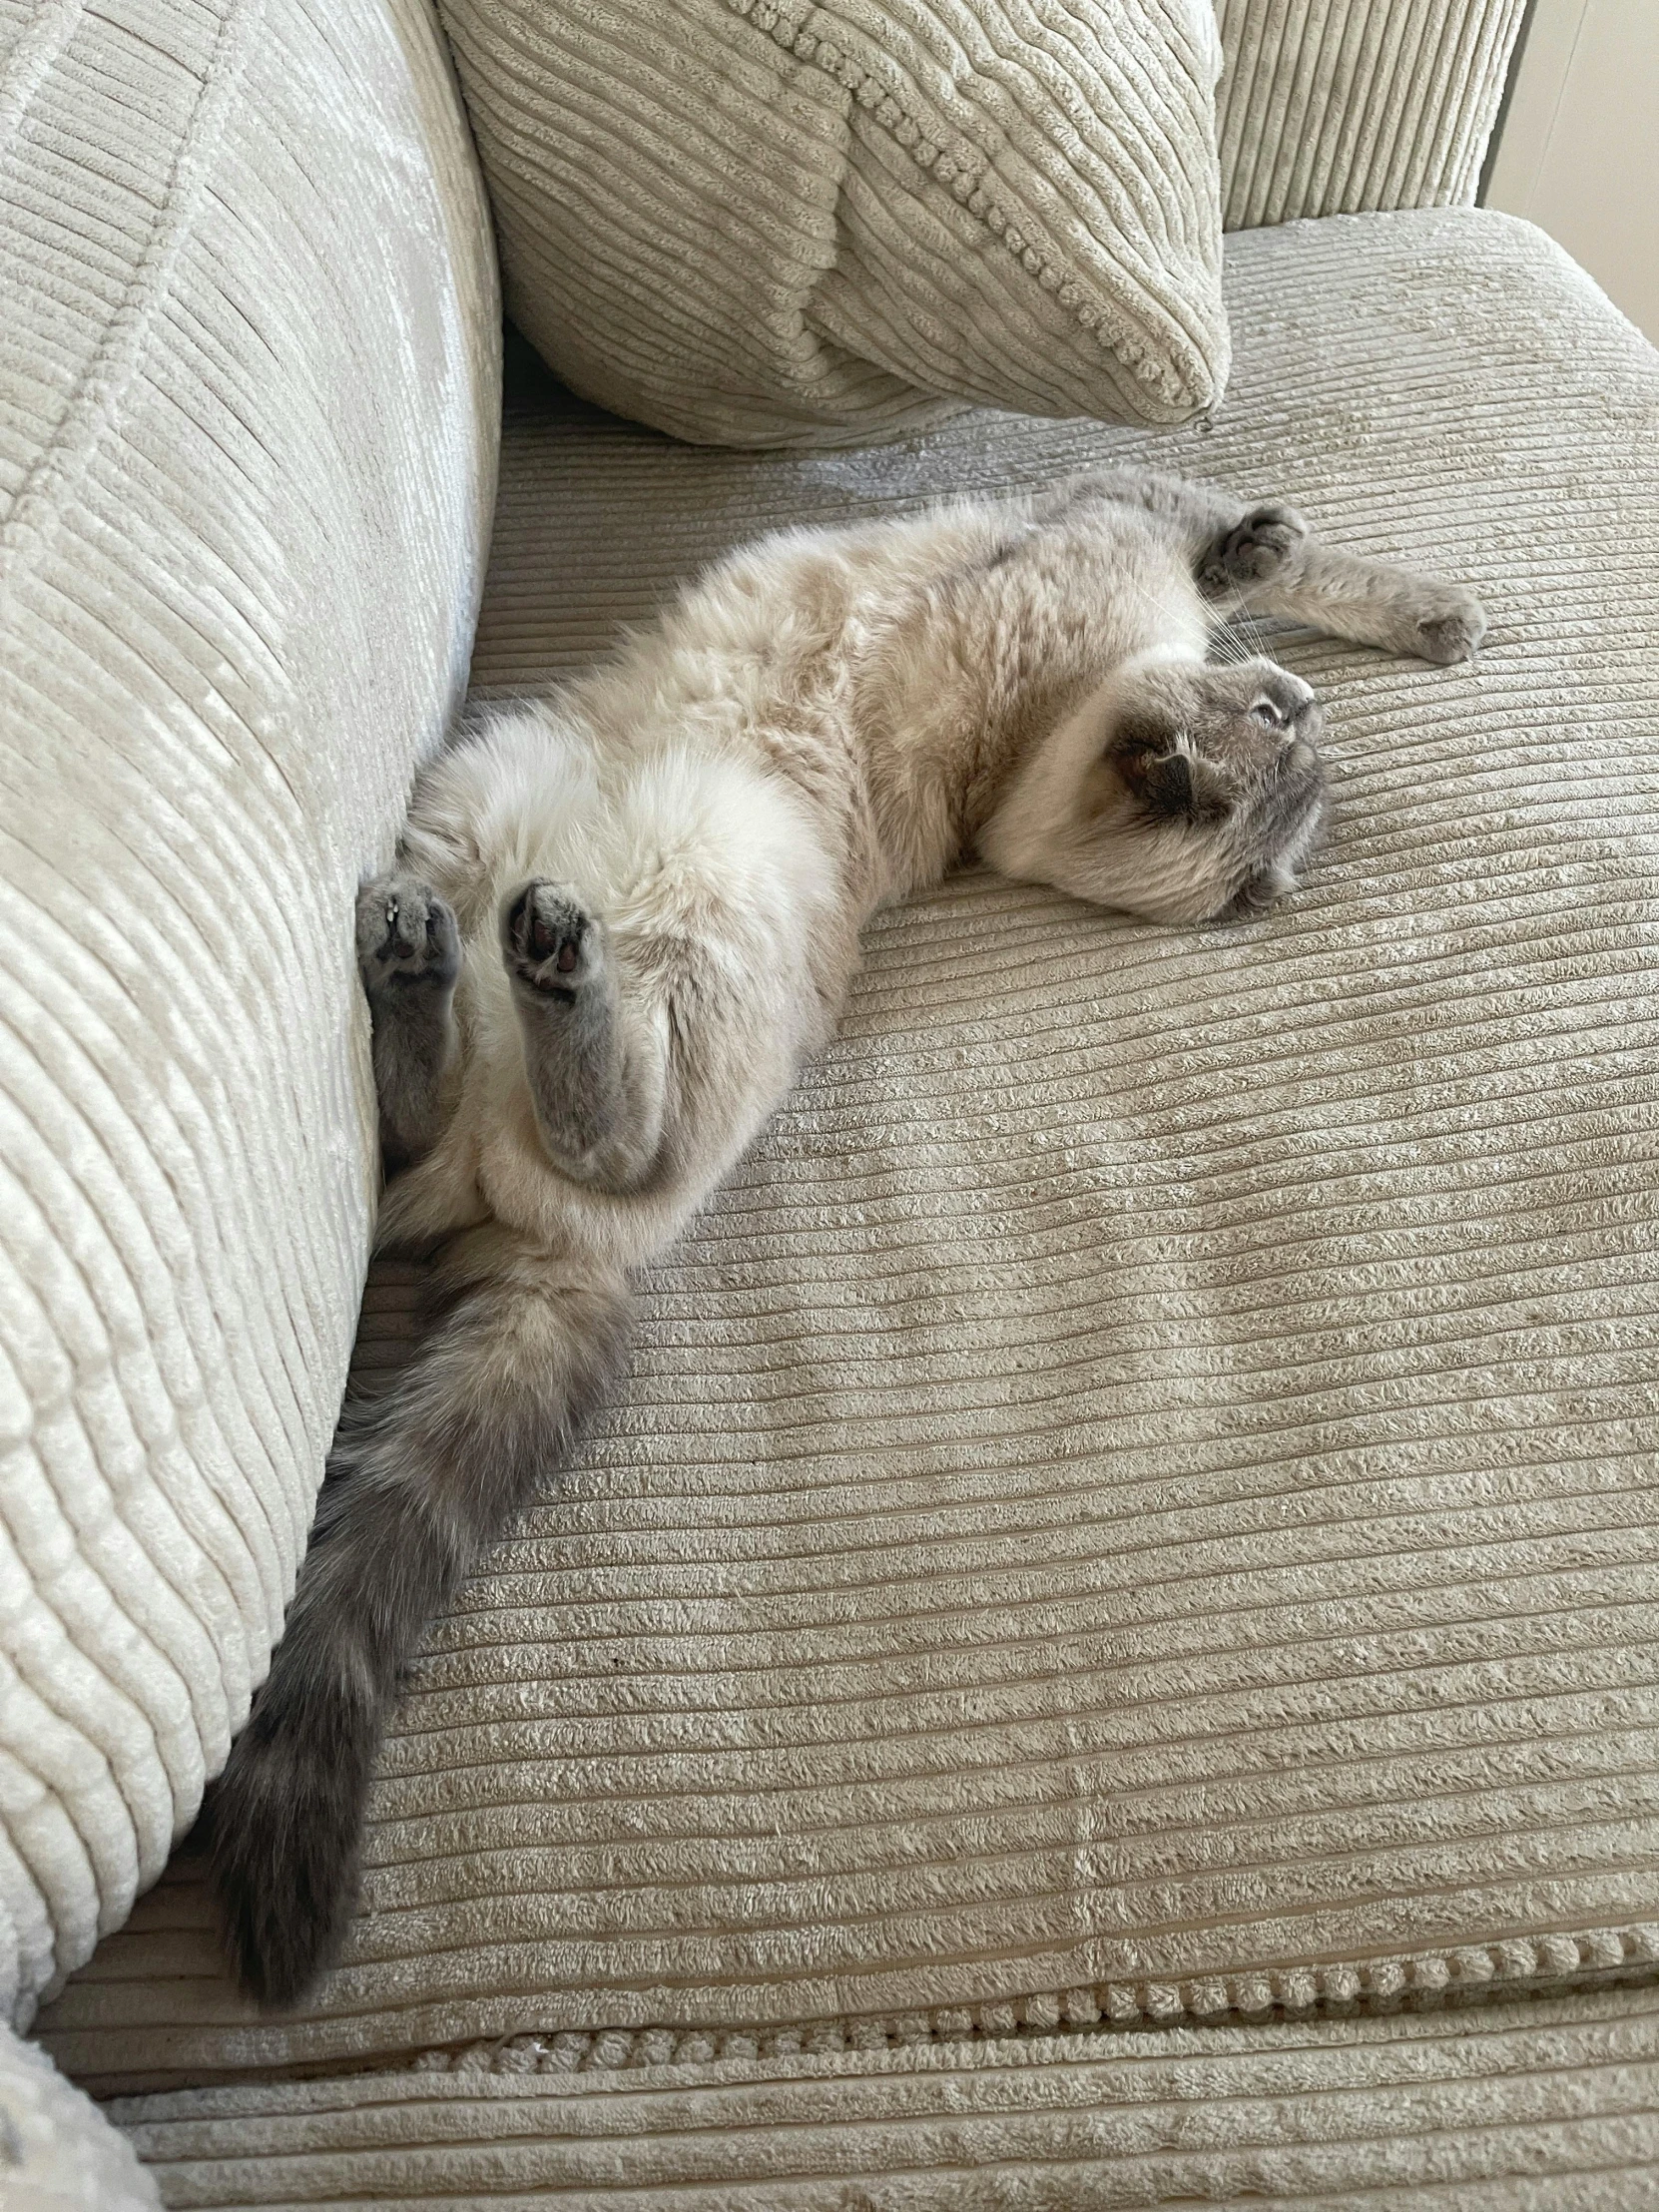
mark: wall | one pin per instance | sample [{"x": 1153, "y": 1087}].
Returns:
[{"x": 1577, "y": 150}]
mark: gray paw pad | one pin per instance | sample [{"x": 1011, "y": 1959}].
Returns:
[
  {"x": 1452, "y": 635},
  {"x": 405, "y": 935},
  {"x": 548, "y": 940},
  {"x": 1268, "y": 541}
]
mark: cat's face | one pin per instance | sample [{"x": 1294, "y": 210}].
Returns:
[{"x": 1181, "y": 790}]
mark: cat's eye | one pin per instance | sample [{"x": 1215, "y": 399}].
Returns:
[{"x": 1264, "y": 710}]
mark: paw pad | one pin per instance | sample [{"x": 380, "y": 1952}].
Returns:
[
  {"x": 546, "y": 938},
  {"x": 1454, "y": 635},
  {"x": 1264, "y": 543},
  {"x": 406, "y": 934}
]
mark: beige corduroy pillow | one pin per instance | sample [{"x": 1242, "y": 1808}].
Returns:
[{"x": 768, "y": 222}]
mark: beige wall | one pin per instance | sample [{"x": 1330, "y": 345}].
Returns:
[{"x": 1578, "y": 150}]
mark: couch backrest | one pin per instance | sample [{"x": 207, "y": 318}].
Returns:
[
  {"x": 249, "y": 405},
  {"x": 1333, "y": 107}
]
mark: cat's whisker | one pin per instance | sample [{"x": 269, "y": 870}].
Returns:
[
  {"x": 1244, "y": 621},
  {"x": 1229, "y": 647}
]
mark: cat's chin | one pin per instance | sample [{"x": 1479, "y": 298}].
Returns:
[
  {"x": 1177, "y": 877},
  {"x": 1175, "y": 905},
  {"x": 1111, "y": 856}
]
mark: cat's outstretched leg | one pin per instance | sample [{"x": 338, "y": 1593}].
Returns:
[
  {"x": 409, "y": 954},
  {"x": 1269, "y": 561},
  {"x": 1265, "y": 559},
  {"x": 596, "y": 1064}
]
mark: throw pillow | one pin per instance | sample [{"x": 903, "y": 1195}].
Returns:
[{"x": 771, "y": 222}]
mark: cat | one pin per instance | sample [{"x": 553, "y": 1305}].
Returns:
[{"x": 622, "y": 916}]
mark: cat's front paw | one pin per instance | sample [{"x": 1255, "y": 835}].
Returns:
[
  {"x": 551, "y": 944},
  {"x": 1451, "y": 629},
  {"x": 405, "y": 935},
  {"x": 1267, "y": 544}
]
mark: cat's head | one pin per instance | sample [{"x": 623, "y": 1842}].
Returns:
[{"x": 1180, "y": 791}]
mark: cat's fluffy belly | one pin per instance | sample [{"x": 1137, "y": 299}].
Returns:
[{"x": 674, "y": 845}]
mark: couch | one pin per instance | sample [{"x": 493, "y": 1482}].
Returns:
[{"x": 1104, "y": 1655}]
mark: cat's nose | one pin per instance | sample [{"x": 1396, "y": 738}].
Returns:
[{"x": 1303, "y": 719}]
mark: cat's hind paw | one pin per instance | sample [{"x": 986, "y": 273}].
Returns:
[
  {"x": 405, "y": 935},
  {"x": 551, "y": 944}
]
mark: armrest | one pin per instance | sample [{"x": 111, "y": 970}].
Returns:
[
  {"x": 1335, "y": 106},
  {"x": 248, "y": 412}
]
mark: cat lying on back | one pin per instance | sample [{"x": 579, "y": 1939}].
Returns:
[{"x": 623, "y": 915}]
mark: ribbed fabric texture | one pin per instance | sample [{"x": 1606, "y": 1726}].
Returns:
[
  {"x": 1547, "y": 2108},
  {"x": 248, "y": 433},
  {"x": 58, "y": 2153},
  {"x": 771, "y": 222},
  {"x": 1333, "y": 107},
  {"x": 1138, "y": 1499}
]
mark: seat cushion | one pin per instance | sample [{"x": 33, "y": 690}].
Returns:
[
  {"x": 249, "y": 379},
  {"x": 1551, "y": 2106},
  {"x": 1138, "y": 1502},
  {"x": 768, "y": 222}
]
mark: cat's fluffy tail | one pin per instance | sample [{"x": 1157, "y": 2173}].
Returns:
[{"x": 417, "y": 1485}]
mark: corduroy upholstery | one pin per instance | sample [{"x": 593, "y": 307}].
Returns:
[
  {"x": 1128, "y": 1539},
  {"x": 1544, "y": 2108},
  {"x": 1340, "y": 107},
  {"x": 769, "y": 222},
  {"x": 58, "y": 2153},
  {"x": 246, "y": 460},
  {"x": 1137, "y": 1500}
]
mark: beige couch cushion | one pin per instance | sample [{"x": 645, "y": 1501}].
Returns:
[
  {"x": 773, "y": 223},
  {"x": 1551, "y": 2106},
  {"x": 1138, "y": 1502},
  {"x": 248, "y": 425}
]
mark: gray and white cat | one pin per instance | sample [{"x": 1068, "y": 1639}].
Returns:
[{"x": 621, "y": 917}]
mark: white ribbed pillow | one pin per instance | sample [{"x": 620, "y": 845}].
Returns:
[
  {"x": 249, "y": 408},
  {"x": 769, "y": 222}
]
